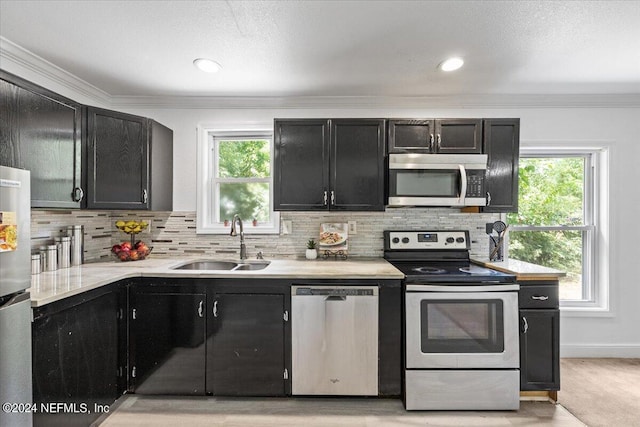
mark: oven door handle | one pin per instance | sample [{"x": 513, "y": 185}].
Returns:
[{"x": 463, "y": 184}]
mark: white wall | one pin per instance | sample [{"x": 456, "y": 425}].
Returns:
[{"x": 614, "y": 334}]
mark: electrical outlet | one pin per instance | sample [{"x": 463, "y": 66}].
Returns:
[
  {"x": 353, "y": 229},
  {"x": 287, "y": 227}
]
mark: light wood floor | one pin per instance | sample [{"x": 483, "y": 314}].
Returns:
[
  {"x": 601, "y": 392},
  {"x": 135, "y": 411}
]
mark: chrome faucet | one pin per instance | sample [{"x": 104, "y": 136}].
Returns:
[{"x": 243, "y": 248}]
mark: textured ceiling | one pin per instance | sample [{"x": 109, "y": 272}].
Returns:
[{"x": 335, "y": 48}]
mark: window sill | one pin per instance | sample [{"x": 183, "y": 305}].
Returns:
[{"x": 585, "y": 311}]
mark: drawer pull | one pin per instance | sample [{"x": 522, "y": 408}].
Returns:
[{"x": 540, "y": 298}]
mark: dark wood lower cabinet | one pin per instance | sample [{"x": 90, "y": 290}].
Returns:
[
  {"x": 76, "y": 358},
  {"x": 539, "y": 303},
  {"x": 246, "y": 346},
  {"x": 167, "y": 340},
  {"x": 540, "y": 349}
]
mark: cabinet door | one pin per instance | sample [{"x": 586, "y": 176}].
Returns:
[
  {"x": 41, "y": 132},
  {"x": 118, "y": 160},
  {"x": 75, "y": 359},
  {"x": 357, "y": 165},
  {"x": 301, "y": 165},
  {"x": 407, "y": 135},
  {"x": 539, "y": 349},
  {"x": 167, "y": 342},
  {"x": 245, "y": 346},
  {"x": 459, "y": 136},
  {"x": 502, "y": 145}
]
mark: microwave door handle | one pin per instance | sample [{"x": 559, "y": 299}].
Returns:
[{"x": 463, "y": 183}]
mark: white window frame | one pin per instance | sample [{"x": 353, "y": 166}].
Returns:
[
  {"x": 595, "y": 229},
  {"x": 208, "y": 199}
]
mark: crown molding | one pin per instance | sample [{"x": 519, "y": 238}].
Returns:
[
  {"x": 14, "y": 57},
  {"x": 399, "y": 102}
]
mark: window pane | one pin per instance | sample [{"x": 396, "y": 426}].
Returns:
[
  {"x": 249, "y": 200},
  {"x": 244, "y": 159},
  {"x": 556, "y": 249},
  {"x": 551, "y": 191}
]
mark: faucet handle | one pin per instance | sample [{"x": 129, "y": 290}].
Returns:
[{"x": 260, "y": 255}]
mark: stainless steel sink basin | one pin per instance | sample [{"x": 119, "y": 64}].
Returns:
[{"x": 223, "y": 265}]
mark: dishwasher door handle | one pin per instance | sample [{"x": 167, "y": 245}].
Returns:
[{"x": 336, "y": 298}]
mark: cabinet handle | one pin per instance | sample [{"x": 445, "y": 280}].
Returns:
[
  {"x": 215, "y": 308},
  {"x": 144, "y": 196},
  {"x": 201, "y": 309},
  {"x": 333, "y": 198},
  {"x": 540, "y": 298},
  {"x": 77, "y": 194},
  {"x": 430, "y": 142},
  {"x": 439, "y": 139},
  {"x": 526, "y": 325},
  {"x": 488, "y": 198},
  {"x": 324, "y": 198}
]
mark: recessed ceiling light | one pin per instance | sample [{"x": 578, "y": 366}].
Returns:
[
  {"x": 207, "y": 65},
  {"x": 451, "y": 64}
]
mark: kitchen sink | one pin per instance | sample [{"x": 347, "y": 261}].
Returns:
[{"x": 223, "y": 265}]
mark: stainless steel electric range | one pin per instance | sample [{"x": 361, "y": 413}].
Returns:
[{"x": 461, "y": 324}]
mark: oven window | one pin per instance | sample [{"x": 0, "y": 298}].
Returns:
[
  {"x": 425, "y": 183},
  {"x": 454, "y": 326}
]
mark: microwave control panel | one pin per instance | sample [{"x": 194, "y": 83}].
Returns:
[{"x": 475, "y": 183}]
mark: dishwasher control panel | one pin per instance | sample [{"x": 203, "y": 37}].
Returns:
[{"x": 340, "y": 292}]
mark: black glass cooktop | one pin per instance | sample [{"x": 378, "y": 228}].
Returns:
[{"x": 421, "y": 272}]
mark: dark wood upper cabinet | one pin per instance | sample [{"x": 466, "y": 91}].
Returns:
[
  {"x": 301, "y": 175},
  {"x": 41, "y": 131},
  {"x": 357, "y": 165},
  {"x": 129, "y": 162},
  {"x": 502, "y": 145},
  {"x": 323, "y": 164},
  {"x": 444, "y": 136}
]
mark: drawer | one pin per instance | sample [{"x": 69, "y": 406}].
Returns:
[{"x": 538, "y": 296}]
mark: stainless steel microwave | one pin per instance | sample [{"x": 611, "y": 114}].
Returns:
[{"x": 436, "y": 180}]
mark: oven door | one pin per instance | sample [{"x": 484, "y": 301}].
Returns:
[{"x": 475, "y": 329}]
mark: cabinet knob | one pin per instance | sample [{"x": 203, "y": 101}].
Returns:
[
  {"x": 488, "y": 198},
  {"x": 144, "y": 196},
  {"x": 526, "y": 325},
  {"x": 201, "y": 309},
  {"x": 215, "y": 308},
  {"x": 431, "y": 142},
  {"x": 324, "y": 198},
  {"x": 77, "y": 195},
  {"x": 439, "y": 141},
  {"x": 333, "y": 198}
]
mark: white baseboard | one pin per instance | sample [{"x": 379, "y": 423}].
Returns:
[{"x": 600, "y": 350}]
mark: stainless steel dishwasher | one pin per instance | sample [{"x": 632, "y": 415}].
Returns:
[{"x": 334, "y": 340}]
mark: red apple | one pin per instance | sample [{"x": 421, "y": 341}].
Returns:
[
  {"x": 125, "y": 246},
  {"x": 142, "y": 247},
  {"x": 116, "y": 248},
  {"x": 133, "y": 255},
  {"x": 124, "y": 255}
]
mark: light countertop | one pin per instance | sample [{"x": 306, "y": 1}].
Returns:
[
  {"x": 523, "y": 270},
  {"x": 48, "y": 287}
]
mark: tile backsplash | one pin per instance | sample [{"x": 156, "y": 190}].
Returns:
[{"x": 174, "y": 233}]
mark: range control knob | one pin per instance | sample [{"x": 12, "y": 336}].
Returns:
[
  {"x": 405, "y": 240},
  {"x": 460, "y": 240},
  {"x": 449, "y": 239},
  {"x": 395, "y": 240}
]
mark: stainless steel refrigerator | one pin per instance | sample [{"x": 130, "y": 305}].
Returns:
[{"x": 15, "y": 305}]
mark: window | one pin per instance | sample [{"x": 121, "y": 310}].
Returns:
[
  {"x": 235, "y": 178},
  {"x": 558, "y": 223}
]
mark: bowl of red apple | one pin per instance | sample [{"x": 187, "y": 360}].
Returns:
[{"x": 125, "y": 251}]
